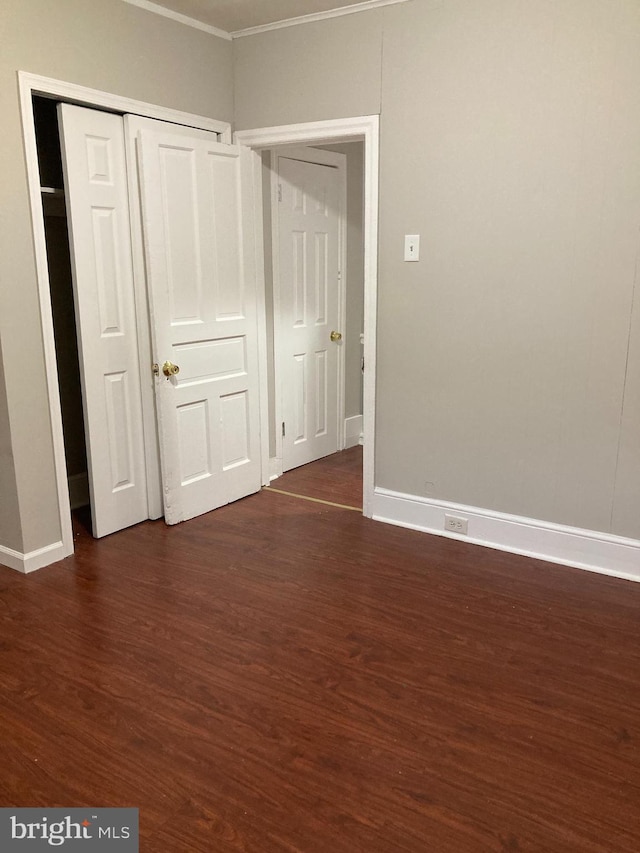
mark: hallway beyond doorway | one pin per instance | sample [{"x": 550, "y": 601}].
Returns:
[{"x": 336, "y": 479}]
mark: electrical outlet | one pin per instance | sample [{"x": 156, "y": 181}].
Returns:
[{"x": 455, "y": 524}]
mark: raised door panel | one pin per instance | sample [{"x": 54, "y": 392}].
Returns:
[
  {"x": 179, "y": 195},
  {"x": 222, "y": 187}
]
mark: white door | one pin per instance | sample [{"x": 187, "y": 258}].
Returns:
[
  {"x": 203, "y": 321},
  {"x": 98, "y": 217},
  {"x": 308, "y": 304}
]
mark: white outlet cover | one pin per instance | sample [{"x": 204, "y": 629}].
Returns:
[{"x": 456, "y": 524}]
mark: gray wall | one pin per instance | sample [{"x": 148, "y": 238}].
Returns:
[
  {"x": 10, "y": 531},
  {"x": 308, "y": 72},
  {"x": 117, "y": 48},
  {"x": 509, "y": 356}
]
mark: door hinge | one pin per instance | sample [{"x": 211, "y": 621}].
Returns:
[
  {"x": 279, "y": 192},
  {"x": 283, "y": 432},
  {"x": 339, "y": 275}
]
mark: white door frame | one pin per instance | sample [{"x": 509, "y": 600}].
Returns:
[
  {"x": 29, "y": 85},
  {"x": 359, "y": 128},
  {"x": 339, "y": 162}
]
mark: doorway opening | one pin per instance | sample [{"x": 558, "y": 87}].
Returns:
[
  {"x": 335, "y": 480},
  {"x": 364, "y": 130},
  {"x": 313, "y": 213}
]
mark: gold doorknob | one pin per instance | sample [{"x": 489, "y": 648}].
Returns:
[
  {"x": 170, "y": 369},
  {"x": 336, "y": 336}
]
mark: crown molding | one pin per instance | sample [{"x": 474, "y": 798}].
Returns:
[
  {"x": 148, "y": 6},
  {"x": 262, "y": 28},
  {"x": 315, "y": 16}
]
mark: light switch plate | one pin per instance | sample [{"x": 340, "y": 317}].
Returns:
[{"x": 412, "y": 247}]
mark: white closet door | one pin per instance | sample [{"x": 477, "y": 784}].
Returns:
[
  {"x": 98, "y": 215},
  {"x": 203, "y": 320}
]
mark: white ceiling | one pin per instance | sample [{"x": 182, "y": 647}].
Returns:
[{"x": 232, "y": 15}]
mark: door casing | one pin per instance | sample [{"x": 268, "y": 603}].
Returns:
[{"x": 357, "y": 129}]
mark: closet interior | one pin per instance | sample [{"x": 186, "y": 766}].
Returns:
[{"x": 62, "y": 299}]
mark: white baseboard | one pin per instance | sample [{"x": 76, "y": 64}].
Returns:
[
  {"x": 33, "y": 560},
  {"x": 12, "y": 559},
  {"x": 556, "y": 543},
  {"x": 352, "y": 431},
  {"x": 275, "y": 468},
  {"x": 78, "y": 490}
]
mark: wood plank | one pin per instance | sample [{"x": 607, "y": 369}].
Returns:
[
  {"x": 281, "y": 675},
  {"x": 336, "y": 478}
]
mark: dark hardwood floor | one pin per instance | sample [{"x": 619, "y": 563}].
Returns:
[
  {"x": 336, "y": 478},
  {"x": 283, "y": 675}
]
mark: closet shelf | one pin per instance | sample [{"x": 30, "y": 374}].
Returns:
[{"x": 53, "y": 203}]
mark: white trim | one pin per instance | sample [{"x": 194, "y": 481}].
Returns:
[
  {"x": 188, "y": 21},
  {"x": 277, "y": 308},
  {"x": 253, "y": 243},
  {"x": 313, "y": 16},
  {"x": 370, "y": 324},
  {"x": 275, "y": 468},
  {"x": 44, "y": 556},
  {"x": 11, "y": 559},
  {"x": 352, "y": 431},
  {"x": 72, "y": 93},
  {"x": 364, "y": 128},
  {"x": 180, "y": 18},
  {"x": 29, "y": 85},
  {"x": 556, "y": 543},
  {"x": 310, "y": 132},
  {"x": 33, "y": 560},
  {"x": 336, "y": 161}
]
